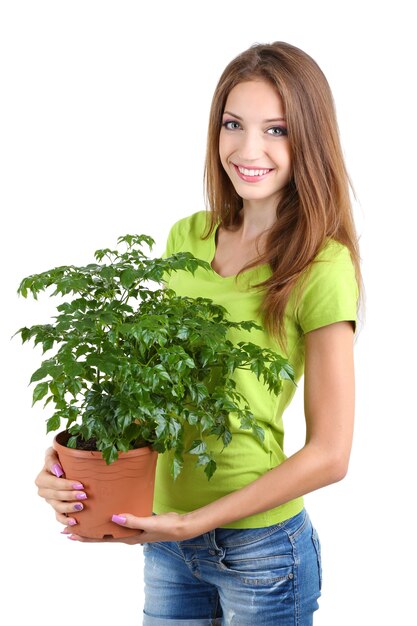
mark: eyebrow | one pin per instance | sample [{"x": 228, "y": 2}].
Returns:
[{"x": 274, "y": 119}]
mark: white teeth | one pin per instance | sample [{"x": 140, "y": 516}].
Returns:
[{"x": 246, "y": 172}]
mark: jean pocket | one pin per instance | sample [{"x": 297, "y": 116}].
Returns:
[
  {"x": 161, "y": 547},
  {"x": 317, "y": 547},
  {"x": 260, "y": 570}
]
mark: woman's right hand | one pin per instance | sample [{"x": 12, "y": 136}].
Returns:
[{"x": 64, "y": 496}]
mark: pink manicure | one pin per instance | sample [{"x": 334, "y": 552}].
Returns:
[
  {"x": 77, "y": 486},
  {"x": 119, "y": 519},
  {"x": 81, "y": 496},
  {"x": 57, "y": 470},
  {"x": 72, "y": 522}
]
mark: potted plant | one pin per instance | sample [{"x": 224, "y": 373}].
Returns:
[{"x": 130, "y": 365}]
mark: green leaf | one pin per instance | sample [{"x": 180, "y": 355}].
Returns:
[
  {"x": 40, "y": 392},
  {"x": 123, "y": 421},
  {"x": 176, "y": 466},
  {"x": 107, "y": 272},
  {"x": 73, "y": 368},
  {"x": 202, "y": 459},
  {"x": 75, "y": 386},
  {"x": 257, "y": 367},
  {"x": 183, "y": 333},
  {"x": 206, "y": 421},
  {"x": 53, "y": 423},
  {"x": 287, "y": 372},
  {"x": 48, "y": 400},
  {"x": 210, "y": 469},
  {"x": 259, "y": 433},
  {"x": 122, "y": 445},
  {"x": 162, "y": 425},
  {"x": 39, "y": 374},
  {"x": 127, "y": 277},
  {"x": 246, "y": 421},
  {"x": 174, "y": 428},
  {"x": 226, "y": 437},
  {"x": 82, "y": 349},
  {"x": 198, "y": 447},
  {"x": 103, "y": 363},
  {"x": 47, "y": 344},
  {"x": 100, "y": 254},
  {"x": 198, "y": 392},
  {"x": 162, "y": 373},
  {"x": 110, "y": 454},
  {"x": 57, "y": 389},
  {"x": 192, "y": 418},
  {"x": 137, "y": 240}
]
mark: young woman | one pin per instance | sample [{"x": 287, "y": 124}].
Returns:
[{"x": 240, "y": 549}]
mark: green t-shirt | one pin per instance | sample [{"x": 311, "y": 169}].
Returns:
[{"x": 330, "y": 295}]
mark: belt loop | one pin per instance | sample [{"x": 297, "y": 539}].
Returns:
[
  {"x": 215, "y": 546},
  {"x": 212, "y": 535}
]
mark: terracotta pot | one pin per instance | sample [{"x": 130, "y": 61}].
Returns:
[{"x": 125, "y": 486}]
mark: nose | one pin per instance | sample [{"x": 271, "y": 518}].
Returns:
[{"x": 251, "y": 146}]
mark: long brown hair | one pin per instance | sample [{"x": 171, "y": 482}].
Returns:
[{"x": 315, "y": 204}]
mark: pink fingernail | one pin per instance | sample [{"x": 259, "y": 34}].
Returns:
[
  {"x": 72, "y": 522},
  {"x": 57, "y": 470},
  {"x": 119, "y": 519},
  {"x": 81, "y": 496},
  {"x": 65, "y": 531},
  {"x": 77, "y": 486}
]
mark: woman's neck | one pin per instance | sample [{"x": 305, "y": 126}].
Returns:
[{"x": 255, "y": 221}]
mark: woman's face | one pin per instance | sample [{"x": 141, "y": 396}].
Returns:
[{"x": 253, "y": 146}]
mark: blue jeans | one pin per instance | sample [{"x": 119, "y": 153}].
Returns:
[{"x": 235, "y": 577}]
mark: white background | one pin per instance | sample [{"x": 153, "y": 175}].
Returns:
[{"x": 103, "y": 117}]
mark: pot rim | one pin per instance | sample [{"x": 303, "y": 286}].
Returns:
[{"x": 96, "y": 454}]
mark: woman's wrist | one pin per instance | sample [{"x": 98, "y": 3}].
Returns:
[
  {"x": 206, "y": 518},
  {"x": 193, "y": 524}
]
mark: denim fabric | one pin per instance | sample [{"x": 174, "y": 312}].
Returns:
[{"x": 235, "y": 577}]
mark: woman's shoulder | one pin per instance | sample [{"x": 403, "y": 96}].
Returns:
[
  {"x": 330, "y": 292},
  {"x": 334, "y": 251},
  {"x": 196, "y": 222},
  {"x": 186, "y": 232},
  {"x": 331, "y": 264}
]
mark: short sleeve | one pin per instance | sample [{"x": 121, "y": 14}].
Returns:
[
  {"x": 176, "y": 237},
  {"x": 330, "y": 293},
  {"x": 173, "y": 244},
  {"x": 170, "y": 244}
]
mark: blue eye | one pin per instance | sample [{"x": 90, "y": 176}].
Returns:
[
  {"x": 231, "y": 125},
  {"x": 278, "y": 131}
]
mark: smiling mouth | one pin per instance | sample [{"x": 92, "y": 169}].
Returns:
[{"x": 251, "y": 174}]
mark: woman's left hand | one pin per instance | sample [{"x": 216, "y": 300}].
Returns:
[{"x": 166, "y": 527}]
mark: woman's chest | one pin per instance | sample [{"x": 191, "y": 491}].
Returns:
[{"x": 232, "y": 254}]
